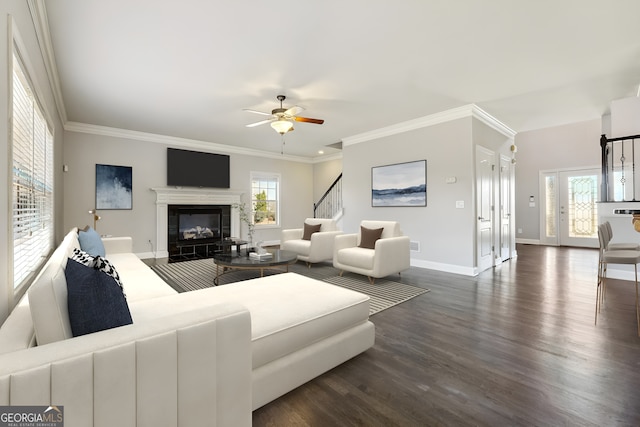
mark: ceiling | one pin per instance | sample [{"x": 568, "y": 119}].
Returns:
[{"x": 188, "y": 68}]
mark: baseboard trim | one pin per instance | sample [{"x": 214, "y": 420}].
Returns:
[
  {"x": 447, "y": 268},
  {"x": 148, "y": 255},
  {"x": 528, "y": 241}
]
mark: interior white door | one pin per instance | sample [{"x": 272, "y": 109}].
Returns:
[
  {"x": 505, "y": 208},
  {"x": 578, "y": 208},
  {"x": 484, "y": 207}
]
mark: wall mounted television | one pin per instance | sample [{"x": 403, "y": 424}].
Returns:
[{"x": 187, "y": 168}]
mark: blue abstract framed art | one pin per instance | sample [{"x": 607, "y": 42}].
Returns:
[
  {"x": 400, "y": 184},
  {"x": 114, "y": 187}
]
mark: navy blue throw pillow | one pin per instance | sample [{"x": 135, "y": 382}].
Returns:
[{"x": 95, "y": 300}]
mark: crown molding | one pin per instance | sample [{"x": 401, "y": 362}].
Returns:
[
  {"x": 409, "y": 125},
  {"x": 492, "y": 122},
  {"x": 41, "y": 24},
  {"x": 470, "y": 110},
  {"x": 326, "y": 158},
  {"x": 184, "y": 143}
]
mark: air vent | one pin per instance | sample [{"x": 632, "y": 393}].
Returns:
[{"x": 414, "y": 246}]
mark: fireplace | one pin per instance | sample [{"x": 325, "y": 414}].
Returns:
[
  {"x": 194, "y": 197},
  {"x": 199, "y": 225},
  {"x": 194, "y": 231}
]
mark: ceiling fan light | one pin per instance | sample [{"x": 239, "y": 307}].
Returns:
[{"x": 282, "y": 126}]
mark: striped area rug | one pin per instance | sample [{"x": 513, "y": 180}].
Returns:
[
  {"x": 187, "y": 275},
  {"x": 383, "y": 293},
  {"x": 197, "y": 274}
]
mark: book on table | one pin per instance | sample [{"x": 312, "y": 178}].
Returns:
[{"x": 258, "y": 256}]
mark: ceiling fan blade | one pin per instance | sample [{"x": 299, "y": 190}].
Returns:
[
  {"x": 257, "y": 112},
  {"x": 308, "y": 120},
  {"x": 293, "y": 111},
  {"x": 259, "y": 123}
]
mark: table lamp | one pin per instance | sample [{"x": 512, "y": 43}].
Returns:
[{"x": 96, "y": 217}]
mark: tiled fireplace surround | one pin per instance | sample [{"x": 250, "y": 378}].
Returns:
[{"x": 190, "y": 196}]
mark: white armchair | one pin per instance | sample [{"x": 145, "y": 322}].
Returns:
[
  {"x": 390, "y": 253},
  {"x": 319, "y": 246}
]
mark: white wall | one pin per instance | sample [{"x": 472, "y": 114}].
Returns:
[
  {"x": 574, "y": 145},
  {"x": 14, "y": 15},
  {"x": 148, "y": 159},
  {"x": 446, "y": 234},
  {"x": 443, "y": 232}
]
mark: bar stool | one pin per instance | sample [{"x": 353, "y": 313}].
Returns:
[
  {"x": 628, "y": 257},
  {"x": 618, "y": 246}
]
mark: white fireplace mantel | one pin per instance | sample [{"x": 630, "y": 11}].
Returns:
[{"x": 166, "y": 196}]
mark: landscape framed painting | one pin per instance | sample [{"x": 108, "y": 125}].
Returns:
[
  {"x": 114, "y": 187},
  {"x": 400, "y": 184}
]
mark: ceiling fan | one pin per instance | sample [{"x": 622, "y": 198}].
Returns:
[{"x": 282, "y": 119}]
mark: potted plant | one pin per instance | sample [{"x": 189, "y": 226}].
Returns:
[{"x": 245, "y": 216}]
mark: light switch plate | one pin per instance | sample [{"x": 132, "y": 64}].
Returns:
[{"x": 459, "y": 204}]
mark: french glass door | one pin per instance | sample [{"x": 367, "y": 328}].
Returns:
[{"x": 569, "y": 210}]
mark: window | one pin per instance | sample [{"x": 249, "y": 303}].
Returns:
[
  {"x": 582, "y": 206},
  {"x": 32, "y": 198},
  {"x": 265, "y": 194},
  {"x": 551, "y": 219}
]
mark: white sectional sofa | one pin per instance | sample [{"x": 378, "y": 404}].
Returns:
[{"x": 206, "y": 357}]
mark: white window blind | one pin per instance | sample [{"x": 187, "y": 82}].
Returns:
[{"x": 32, "y": 148}]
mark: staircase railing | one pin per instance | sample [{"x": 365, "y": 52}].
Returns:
[
  {"x": 330, "y": 204},
  {"x": 620, "y": 182}
]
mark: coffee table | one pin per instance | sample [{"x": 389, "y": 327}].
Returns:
[{"x": 280, "y": 261}]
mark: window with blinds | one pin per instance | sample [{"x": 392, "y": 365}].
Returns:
[{"x": 32, "y": 157}]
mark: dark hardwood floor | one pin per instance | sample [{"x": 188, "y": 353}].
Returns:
[{"x": 514, "y": 346}]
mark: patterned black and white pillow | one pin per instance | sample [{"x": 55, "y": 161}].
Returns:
[
  {"x": 99, "y": 263},
  {"x": 105, "y": 266},
  {"x": 82, "y": 257}
]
